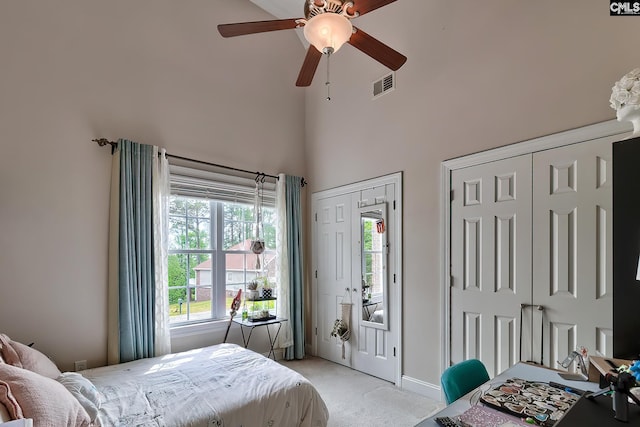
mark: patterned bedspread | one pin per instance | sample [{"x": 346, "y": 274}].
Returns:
[{"x": 219, "y": 386}]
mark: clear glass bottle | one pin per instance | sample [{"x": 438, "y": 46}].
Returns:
[{"x": 245, "y": 313}]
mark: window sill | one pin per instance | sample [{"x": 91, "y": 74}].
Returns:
[{"x": 199, "y": 328}]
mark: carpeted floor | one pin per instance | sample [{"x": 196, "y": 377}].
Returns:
[{"x": 355, "y": 399}]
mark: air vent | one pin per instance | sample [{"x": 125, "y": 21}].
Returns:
[{"x": 384, "y": 85}]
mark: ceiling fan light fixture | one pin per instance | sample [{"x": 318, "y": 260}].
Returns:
[
  {"x": 328, "y": 31},
  {"x": 326, "y": 26}
]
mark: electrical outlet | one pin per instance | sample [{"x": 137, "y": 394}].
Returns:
[{"x": 80, "y": 365}]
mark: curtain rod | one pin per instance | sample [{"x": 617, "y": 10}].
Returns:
[{"x": 103, "y": 141}]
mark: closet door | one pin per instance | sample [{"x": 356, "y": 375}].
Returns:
[
  {"x": 373, "y": 350},
  {"x": 572, "y": 249},
  {"x": 491, "y": 262},
  {"x": 345, "y": 260},
  {"x": 333, "y": 248}
]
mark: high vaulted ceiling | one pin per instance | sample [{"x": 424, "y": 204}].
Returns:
[{"x": 282, "y": 8}]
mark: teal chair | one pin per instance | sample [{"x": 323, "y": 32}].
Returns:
[{"x": 461, "y": 378}]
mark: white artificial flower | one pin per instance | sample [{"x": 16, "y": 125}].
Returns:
[
  {"x": 626, "y": 83},
  {"x": 618, "y": 98},
  {"x": 626, "y": 91},
  {"x": 635, "y": 73}
]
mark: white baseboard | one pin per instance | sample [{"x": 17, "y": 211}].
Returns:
[{"x": 423, "y": 388}]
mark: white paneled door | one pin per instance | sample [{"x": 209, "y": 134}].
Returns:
[
  {"x": 333, "y": 249},
  {"x": 572, "y": 259},
  {"x": 339, "y": 276},
  {"x": 531, "y": 256},
  {"x": 491, "y": 261},
  {"x": 374, "y": 349}
]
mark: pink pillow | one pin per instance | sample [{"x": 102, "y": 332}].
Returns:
[
  {"x": 4, "y": 414},
  {"x": 23, "y": 356},
  {"x": 26, "y": 394},
  {"x": 8, "y": 353},
  {"x": 33, "y": 360}
]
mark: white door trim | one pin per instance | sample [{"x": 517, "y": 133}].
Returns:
[
  {"x": 573, "y": 136},
  {"x": 394, "y": 178}
]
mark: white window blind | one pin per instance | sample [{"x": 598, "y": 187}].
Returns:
[{"x": 190, "y": 182}]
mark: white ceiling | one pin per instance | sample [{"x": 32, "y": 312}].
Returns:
[{"x": 282, "y": 8}]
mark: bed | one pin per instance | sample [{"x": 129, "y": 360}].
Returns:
[{"x": 223, "y": 385}]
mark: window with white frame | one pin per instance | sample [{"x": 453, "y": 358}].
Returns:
[{"x": 211, "y": 225}]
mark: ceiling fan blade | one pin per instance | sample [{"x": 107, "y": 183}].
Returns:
[
  {"x": 309, "y": 66},
  {"x": 376, "y": 49},
  {"x": 365, "y": 6},
  {"x": 243, "y": 28}
]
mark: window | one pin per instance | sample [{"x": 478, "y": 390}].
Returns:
[{"x": 209, "y": 256}]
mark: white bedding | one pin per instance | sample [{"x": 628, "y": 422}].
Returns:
[{"x": 223, "y": 386}]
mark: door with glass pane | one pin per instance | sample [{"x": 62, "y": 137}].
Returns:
[{"x": 375, "y": 300}]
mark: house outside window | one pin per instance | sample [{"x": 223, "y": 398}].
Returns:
[{"x": 209, "y": 256}]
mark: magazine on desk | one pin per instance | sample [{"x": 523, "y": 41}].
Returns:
[
  {"x": 484, "y": 416},
  {"x": 539, "y": 401}
]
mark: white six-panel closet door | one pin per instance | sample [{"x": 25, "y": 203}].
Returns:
[
  {"x": 572, "y": 256},
  {"x": 491, "y": 262},
  {"x": 532, "y": 230}
]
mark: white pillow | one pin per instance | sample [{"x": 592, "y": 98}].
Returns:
[{"x": 83, "y": 390}]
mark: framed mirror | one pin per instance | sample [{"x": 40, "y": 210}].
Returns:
[{"x": 373, "y": 256}]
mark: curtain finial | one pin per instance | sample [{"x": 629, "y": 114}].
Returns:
[{"x": 104, "y": 141}]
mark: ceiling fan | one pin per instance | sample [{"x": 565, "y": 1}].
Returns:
[{"x": 327, "y": 26}]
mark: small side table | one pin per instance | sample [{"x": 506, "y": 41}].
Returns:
[
  {"x": 367, "y": 307},
  {"x": 252, "y": 325}
]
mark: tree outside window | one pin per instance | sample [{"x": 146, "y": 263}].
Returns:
[{"x": 209, "y": 257}]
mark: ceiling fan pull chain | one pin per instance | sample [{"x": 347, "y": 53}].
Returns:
[{"x": 328, "y": 82}]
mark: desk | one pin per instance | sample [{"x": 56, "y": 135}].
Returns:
[
  {"x": 597, "y": 413},
  {"x": 520, "y": 370},
  {"x": 251, "y": 325}
]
